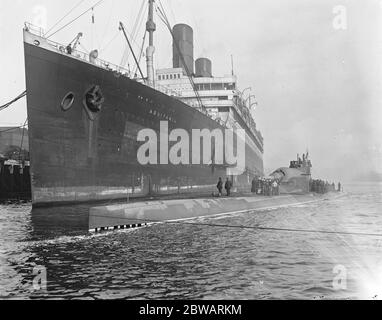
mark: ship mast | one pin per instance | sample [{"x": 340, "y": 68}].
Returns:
[{"x": 150, "y": 27}]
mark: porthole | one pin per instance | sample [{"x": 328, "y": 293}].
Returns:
[{"x": 67, "y": 102}]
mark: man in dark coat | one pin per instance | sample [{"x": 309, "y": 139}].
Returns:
[
  {"x": 220, "y": 187},
  {"x": 254, "y": 185},
  {"x": 228, "y": 187}
]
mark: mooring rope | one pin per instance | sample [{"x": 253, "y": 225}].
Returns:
[
  {"x": 8, "y": 104},
  {"x": 146, "y": 221}
]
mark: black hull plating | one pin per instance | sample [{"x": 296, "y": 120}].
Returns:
[{"x": 74, "y": 159}]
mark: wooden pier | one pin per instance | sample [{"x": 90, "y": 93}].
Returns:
[{"x": 15, "y": 180}]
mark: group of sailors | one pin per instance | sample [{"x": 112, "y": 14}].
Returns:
[
  {"x": 271, "y": 187},
  {"x": 227, "y": 186},
  {"x": 301, "y": 162},
  {"x": 260, "y": 186},
  {"x": 265, "y": 186},
  {"x": 320, "y": 186}
]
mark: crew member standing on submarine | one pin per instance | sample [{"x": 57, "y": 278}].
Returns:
[
  {"x": 220, "y": 187},
  {"x": 228, "y": 187}
]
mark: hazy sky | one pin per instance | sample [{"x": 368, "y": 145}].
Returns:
[{"x": 314, "y": 67}]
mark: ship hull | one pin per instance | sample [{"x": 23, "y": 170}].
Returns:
[{"x": 77, "y": 158}]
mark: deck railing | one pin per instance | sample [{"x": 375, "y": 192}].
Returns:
[{"x": 62, "y": 49}]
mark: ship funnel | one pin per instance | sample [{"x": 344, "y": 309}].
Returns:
[
  {"x": 203, "y": 68},
  {"x": 183, "y": 45}
]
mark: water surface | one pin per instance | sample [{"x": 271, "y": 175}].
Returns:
[{"x": 183, "y": 261}]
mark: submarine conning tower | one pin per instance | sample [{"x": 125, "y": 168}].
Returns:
[{"x": 183, "y": 45}]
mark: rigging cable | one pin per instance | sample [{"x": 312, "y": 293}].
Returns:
[
  {"x": 227, "y": 226},
  {"x": 107, "y": 25},
  {"x": 137, "y": 23},
  {"x": 171, "y": 9},
  {"x": 23, "y": 94},
  {"x": 78, "y": 17},
  {"x": 71, "y": 10},
  {"x": 11, "y": 129},
  {"x": 139, "y": 20},
  {"x": 104, "y": 48},
  {"x": 165, "y": 20},
  {"x": 141, "y": 53},
  {"x": 126, "y": 54},
  {"x": 132, "y": 51}
]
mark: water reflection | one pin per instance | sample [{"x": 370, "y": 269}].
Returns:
[
  {"x": 59, "y": 221},
  {"x": 192, "y": 261}
]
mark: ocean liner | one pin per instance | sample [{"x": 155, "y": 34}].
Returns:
[{"x": 85, "y": 115}]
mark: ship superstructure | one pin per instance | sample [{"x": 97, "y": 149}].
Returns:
[{"x": 220, "y": 98}]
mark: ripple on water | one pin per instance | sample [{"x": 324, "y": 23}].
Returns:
[{"x": 168, "y": 261}]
